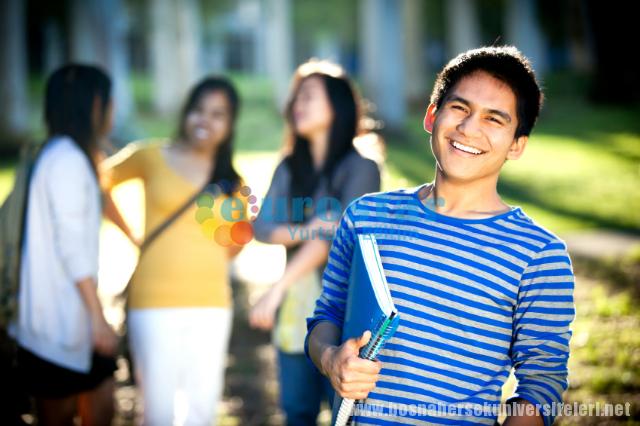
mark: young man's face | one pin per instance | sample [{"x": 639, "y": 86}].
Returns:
[{"x": 473, "y": 132}]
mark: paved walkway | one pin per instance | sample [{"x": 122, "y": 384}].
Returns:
[{"x": 601, "y": 244}]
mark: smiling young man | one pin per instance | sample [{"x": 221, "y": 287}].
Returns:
[{"x": 480, "y": 287}]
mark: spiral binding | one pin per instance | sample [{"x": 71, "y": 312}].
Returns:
[{"x": 370, "y": 351}]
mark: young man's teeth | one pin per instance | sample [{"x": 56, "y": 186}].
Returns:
[{"x": 466, "y": 148}]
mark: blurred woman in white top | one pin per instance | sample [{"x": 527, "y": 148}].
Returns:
[{"x": 65, "y": 346}]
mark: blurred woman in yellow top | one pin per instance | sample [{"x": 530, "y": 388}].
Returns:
[{"x": 180, "y": 307}]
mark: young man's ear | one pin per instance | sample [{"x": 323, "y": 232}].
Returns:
[
  {"x": 429, "y": 118},
  {"x": 517, "y": 147}
]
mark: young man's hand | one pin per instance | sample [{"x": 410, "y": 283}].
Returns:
[{"x": 351, "y": 376}]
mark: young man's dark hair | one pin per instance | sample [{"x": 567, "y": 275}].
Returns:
[{"x": 505, "y": 63}]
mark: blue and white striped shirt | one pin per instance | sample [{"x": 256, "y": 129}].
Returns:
[{"x": 476, "y": 297}]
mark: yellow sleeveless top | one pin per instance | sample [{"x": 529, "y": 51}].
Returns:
[{"x": 184, "y": 266}]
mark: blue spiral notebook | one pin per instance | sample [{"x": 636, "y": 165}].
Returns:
[{"x": 369, "y": 307}]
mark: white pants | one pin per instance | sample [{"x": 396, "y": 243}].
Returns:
[{"x": 179, "y": 357}]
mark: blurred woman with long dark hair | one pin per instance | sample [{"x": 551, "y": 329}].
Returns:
[
  {"x": 65, "y": 346},
  {"x": 321, "y": 173},
  {"x": 179, "y": 316}
]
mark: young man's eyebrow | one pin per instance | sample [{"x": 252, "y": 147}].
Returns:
[
  {"x": 502, "y": 114},
  {"x": 454, "y": 98},
  {"x": 497, "y": 112}
]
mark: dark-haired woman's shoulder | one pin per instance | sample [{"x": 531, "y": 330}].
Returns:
[
  {"x": 281, "y": 178},
  {"x": 356, "y": 163},
  {"x": 368, "y": 156},
  {"x": 356, "y": 176}
]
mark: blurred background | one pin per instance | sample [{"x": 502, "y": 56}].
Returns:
[{"x": 579, "y": 176}]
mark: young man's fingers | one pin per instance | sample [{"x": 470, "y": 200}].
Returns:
[
  {"x": 353, "y": 345},
  {"x": 355, "y": 392},
  {"x": 357, "y": 378},
  {"x": 359, "y": 365},
  {"x": 364, "y": 339}
]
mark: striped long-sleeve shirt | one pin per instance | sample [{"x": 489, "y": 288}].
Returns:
[{"x": 476, "y": 297}]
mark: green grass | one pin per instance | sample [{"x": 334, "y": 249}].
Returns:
[
  {"x": 605, "y": 357},
  {"x": 6, "y": 176}
]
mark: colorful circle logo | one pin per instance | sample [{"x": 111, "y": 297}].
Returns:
[{"x": 224, "y": 228}]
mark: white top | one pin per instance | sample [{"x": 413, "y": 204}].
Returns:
[{"x": 60, "y": 248}]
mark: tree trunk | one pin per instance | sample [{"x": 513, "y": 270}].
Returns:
[
  {"x": 279, "y": 47},
  {"x": 382, "y": 59},
  {"x": 98, "y": 36},
  {"x": 175, "y": 51},
  {"x": 13, "y": 75},
  {"x": 462, "y": 26},
  {"x": 524, "y": 32},
  {"x": 416, "y": 71}
]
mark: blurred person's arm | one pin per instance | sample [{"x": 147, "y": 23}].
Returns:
[
  {"x": 307, "y": 259},
  {"x": 125, "y": 165},
  {"x": 70, "y": 182},
  {"x": 104, "y": 338},
  {"x": 111, "y": 212},
  {"x": 271, "y": 225}
]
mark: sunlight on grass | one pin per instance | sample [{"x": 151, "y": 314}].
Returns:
[
  {"x": 6, "y": 180},
  {"x": 605, "y": 347},
  {"x": 572, "y": 177}
]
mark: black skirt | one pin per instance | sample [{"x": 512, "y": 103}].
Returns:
[{"x": 44, "y": 379}]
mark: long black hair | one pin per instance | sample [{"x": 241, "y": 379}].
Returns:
[
  {"x": 68, "y": 108},
  {"x": 223, "y": 172},
  {"x": 344, "y": 128}
]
